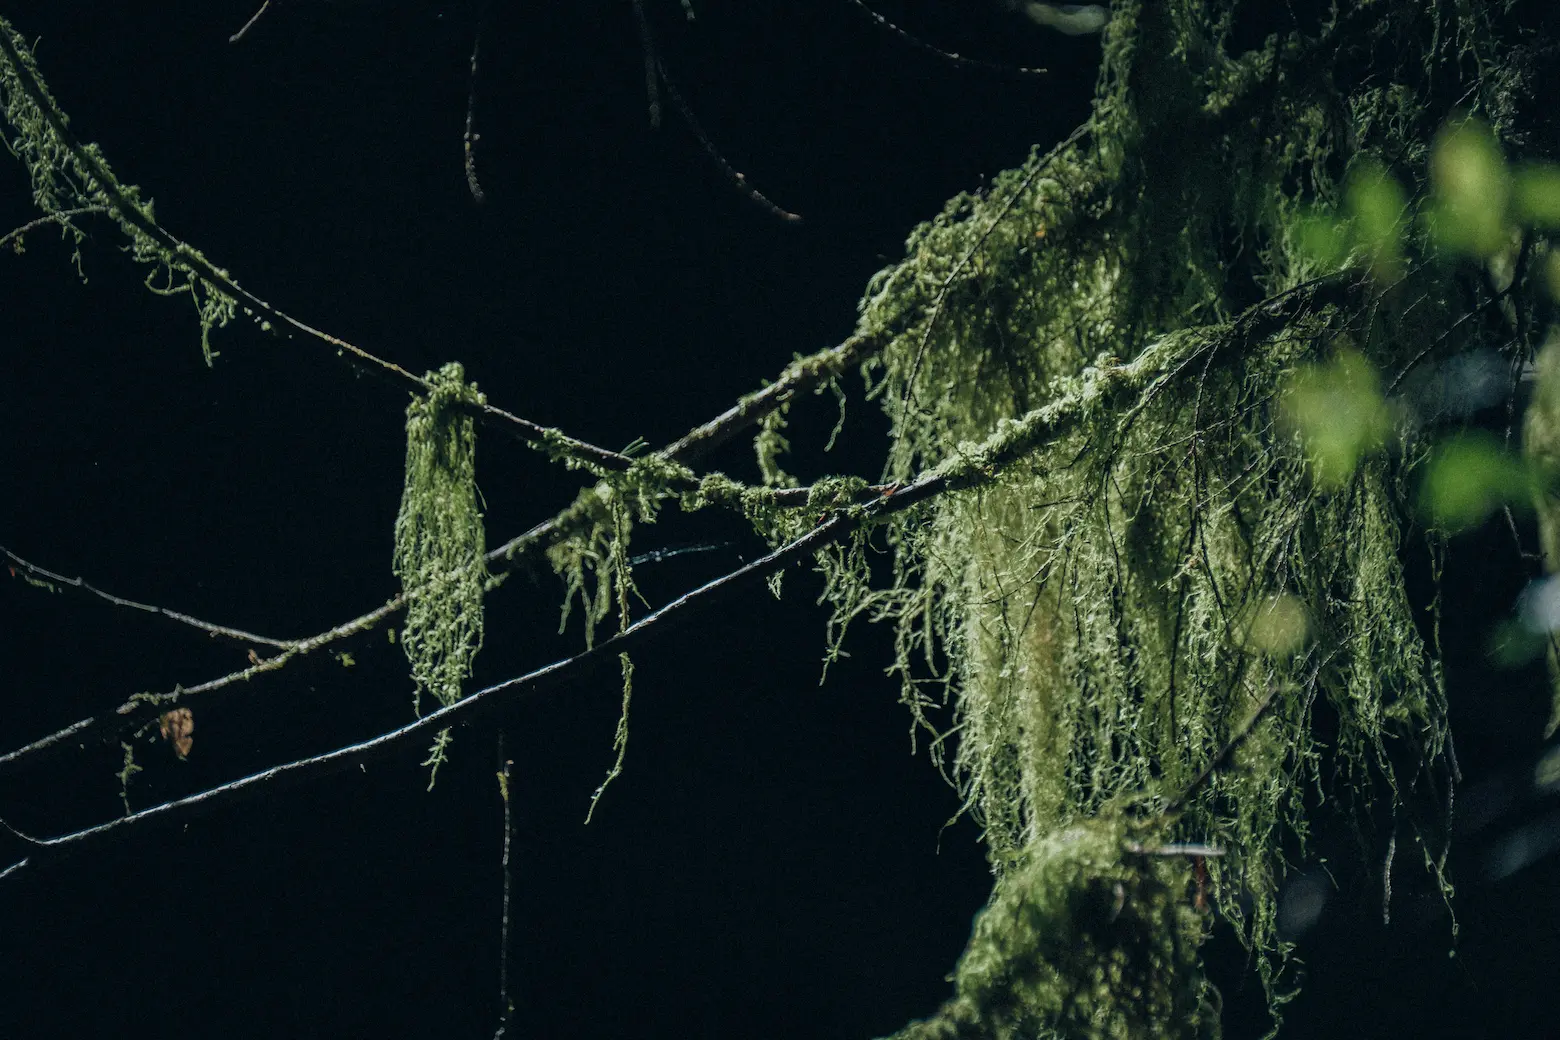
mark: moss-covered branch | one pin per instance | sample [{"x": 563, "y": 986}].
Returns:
[
  {"x": 71, "y": 178},
  {"x": 1097, "y": 390}
]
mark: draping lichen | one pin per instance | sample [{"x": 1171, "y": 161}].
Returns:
[
  {"x": 439, "y": 540},
  {"x": 1141, "y": 550},
  {"x": 592, "y": 558}
]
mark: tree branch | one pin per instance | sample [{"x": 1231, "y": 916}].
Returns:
[
  {"x": 1098, "y": 388},
  {"x": 799, "y": 377},
  {"x": 128, "y": 211},
  {"x": 37, "y": 575}
]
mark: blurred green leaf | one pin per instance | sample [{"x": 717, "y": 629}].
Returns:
[
  {"x": 1513, "y": 644},
  {"x": 1471, "y": 190},
  {"x": 1338, "y": 411},
  {"x": 1535, "y": 196},
  {"x": 1551, "y": 275},
  {"x": 1471, "y": 476},
  {"x": 1323, "y": 239},
  {"x": 1278, "y": 625},
  {"x": 1377, "y": 206}
]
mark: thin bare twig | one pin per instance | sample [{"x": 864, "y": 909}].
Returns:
[
  {"x": 470, "y": 138},
  {"x": 652, "y": 63},
  {"x": 738, "y": 180},
  {"x": 44, "y": 575},
  {"x": 506, "y": 1005},
  {"x": 61, "y": 217},
  {"x": 249, "y": 24}
]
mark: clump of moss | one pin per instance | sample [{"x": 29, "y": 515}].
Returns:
[
  {"x": 439, "y": 538},
  {"x": 1093, "y": 937}
]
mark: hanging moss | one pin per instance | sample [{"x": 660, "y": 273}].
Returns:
[
  {"x": 439, "y": 539},
  {"x": 593, "y": 557},
  {"x": 1101, "y": 603}
]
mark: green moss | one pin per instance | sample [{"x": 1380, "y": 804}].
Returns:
[
  {"x": 1139, "y": 548},
  {"x": 1092, "y": 938},
  {"x": 592, "y": 557},
  {"x": 439, "y": 538},
  {"x": 68, "y": 176}
]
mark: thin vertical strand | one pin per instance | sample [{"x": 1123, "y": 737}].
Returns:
[
  {"x": 471, "y": 136},
  {"x": 506, "y": 1006}
]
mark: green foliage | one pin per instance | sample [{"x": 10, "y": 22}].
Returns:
[
  {"x": 439, "y": 539},
  {"x": 1092, "y": 938},
  {"x": 1472, "y": 190}
]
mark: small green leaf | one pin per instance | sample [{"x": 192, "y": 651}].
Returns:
[
  {"x": 1471, "y": 188},
  {"x": 1535, "y": 196},
  {"x": 1469, "y": 478},
  {"x": 1339, "y": 414}
]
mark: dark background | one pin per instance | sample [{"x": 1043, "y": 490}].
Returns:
[{"x": 768, "y": 864}]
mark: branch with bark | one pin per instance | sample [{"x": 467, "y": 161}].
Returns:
[{"x": 1107, "y": 387}]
